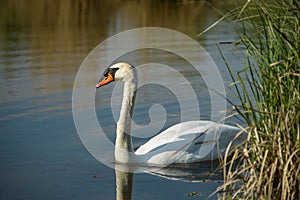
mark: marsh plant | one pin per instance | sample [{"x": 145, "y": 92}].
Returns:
[{"x": 267, "y": 165}]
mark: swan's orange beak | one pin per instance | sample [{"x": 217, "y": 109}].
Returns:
[{"x": 105, "y": 81}]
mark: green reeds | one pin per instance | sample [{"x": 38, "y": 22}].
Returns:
[{"x": 267, "y": 166}]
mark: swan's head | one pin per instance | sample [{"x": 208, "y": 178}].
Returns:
[{"x": 118, "y": 72}]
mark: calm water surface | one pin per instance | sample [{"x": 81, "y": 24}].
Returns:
[{"x": 42, "y": 44}]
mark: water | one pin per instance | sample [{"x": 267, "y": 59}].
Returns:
[{"x": 42, "y": 45}]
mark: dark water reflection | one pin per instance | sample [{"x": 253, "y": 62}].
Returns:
[{"x": 42, "y": 44}]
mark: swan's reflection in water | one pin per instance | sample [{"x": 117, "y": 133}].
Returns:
[
  {"x": 198, "y": 172},
  {"x": 124, "y": 181}
]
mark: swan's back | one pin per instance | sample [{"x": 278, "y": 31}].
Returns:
[{"x": 189, "y": 142}]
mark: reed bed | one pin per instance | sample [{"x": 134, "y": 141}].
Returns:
[{"x": 267, "y": 165}]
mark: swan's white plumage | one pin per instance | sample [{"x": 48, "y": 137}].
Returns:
[{"x": 187, "y": 142}]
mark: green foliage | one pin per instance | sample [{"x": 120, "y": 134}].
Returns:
[{"x": 267, "y": 166}]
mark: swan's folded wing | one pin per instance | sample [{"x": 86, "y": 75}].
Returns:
[
  {"x": 193, "y": 136},
  {"x": 174, "y": 137}
]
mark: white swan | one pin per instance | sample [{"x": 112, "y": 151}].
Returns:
[{"x": 186, "y": 142}]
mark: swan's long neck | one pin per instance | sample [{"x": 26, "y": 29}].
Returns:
[{"x": 124, "y": 139}]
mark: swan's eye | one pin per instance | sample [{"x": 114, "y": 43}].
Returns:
[
  {"x": 112, "y": 71},
  {"x": 105, "y": 73}
]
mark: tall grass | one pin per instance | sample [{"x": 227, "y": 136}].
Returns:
[{"x": 267, "y": 166}]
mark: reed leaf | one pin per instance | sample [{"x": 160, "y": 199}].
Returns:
[{"x": 267, "y": 166}]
